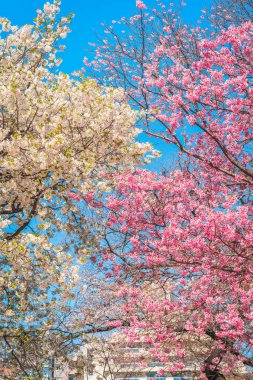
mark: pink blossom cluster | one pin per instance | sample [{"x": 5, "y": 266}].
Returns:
[
  {"x": 140, "y": 5},
  {"x": 213, "y": 94},
  {"x": 189, "y": 255}
]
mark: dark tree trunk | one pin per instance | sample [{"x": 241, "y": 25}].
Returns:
[
  {"x": 214, "y": 374},
  {"x": 210, "y": 372}
]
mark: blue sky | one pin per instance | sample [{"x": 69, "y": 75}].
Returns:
[{"x": 88, "y": 17}]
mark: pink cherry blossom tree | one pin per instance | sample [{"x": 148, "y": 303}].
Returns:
[
  {"x": 189, "y": 233},
  {"x": 197, "y": 86},
  {"x": 193, "y": 241}
]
